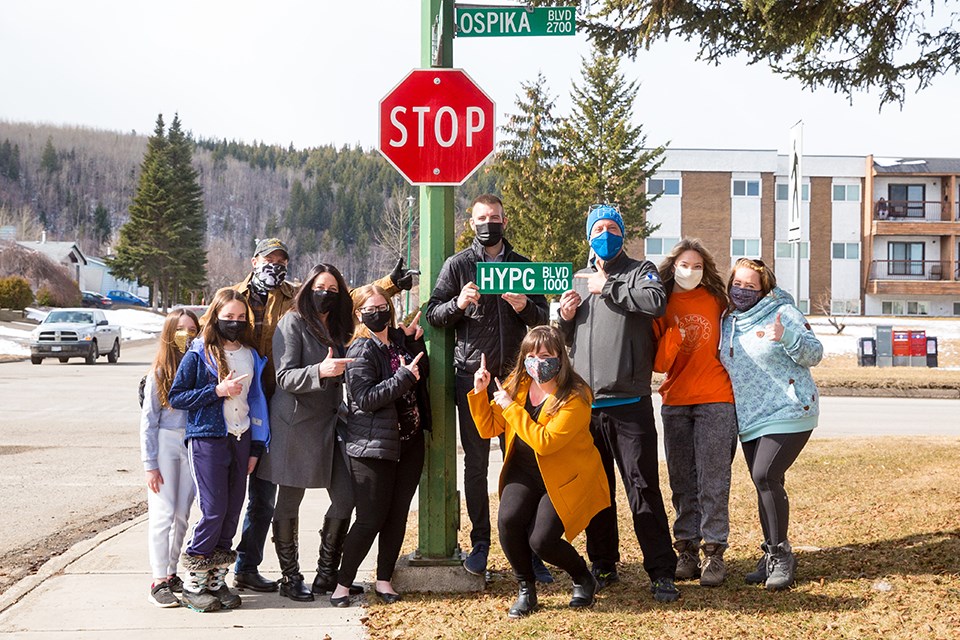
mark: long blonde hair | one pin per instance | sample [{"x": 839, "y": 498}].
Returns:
[
  {"x": 360, "y": 296},
  {"x": 213, "y": 341},
  {"x": 711, "y": 281},
  {"x": 569, "y": 383},
  {"x": 168, "y": 356}
]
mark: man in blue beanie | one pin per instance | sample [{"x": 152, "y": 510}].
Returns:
[{"x": 607, "y": 319}]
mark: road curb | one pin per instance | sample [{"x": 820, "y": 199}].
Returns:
[
  {"x": 944, "y": 394},
  {"x": 57, "y": 564}
]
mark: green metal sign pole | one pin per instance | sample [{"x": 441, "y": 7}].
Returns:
[{"x": 439, "y": 500}]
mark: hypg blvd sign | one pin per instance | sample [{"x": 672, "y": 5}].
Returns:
[
  {"x": 475, "y": 22},
  {"x": 524, "y": 277}
]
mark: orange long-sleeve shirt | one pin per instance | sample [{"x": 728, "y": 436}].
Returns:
[{"x": 694, "y": 372}]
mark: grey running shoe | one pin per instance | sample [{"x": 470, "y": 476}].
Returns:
[
  {"x": 176, "y": 584},
  {"x": 781, "y": 566},
  {"x": 161, "y": 596}
]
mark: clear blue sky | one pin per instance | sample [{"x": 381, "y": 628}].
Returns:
[{"x": 312, "y": 72}]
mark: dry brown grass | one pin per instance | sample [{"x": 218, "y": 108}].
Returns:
[{"x": 877, "y": 531}]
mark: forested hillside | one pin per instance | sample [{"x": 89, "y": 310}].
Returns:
[{"x": 342, "y": 205}]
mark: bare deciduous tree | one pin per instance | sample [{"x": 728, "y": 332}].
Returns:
[{"x": 823, "y": 306}]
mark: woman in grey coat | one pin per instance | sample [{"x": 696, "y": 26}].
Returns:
[{"x": 308, "y": 349}]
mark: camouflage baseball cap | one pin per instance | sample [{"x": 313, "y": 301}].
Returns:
[{"x": 269, "y": 245}]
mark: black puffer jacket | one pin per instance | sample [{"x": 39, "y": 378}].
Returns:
[
  {"x": 491, "y": 327},
  {"x": 373, "y": 429}
]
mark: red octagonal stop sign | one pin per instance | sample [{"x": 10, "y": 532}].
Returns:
[{"x": 436, "y": 126}]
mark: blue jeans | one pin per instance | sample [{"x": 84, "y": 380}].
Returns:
[{"x": 261, "y": 500}]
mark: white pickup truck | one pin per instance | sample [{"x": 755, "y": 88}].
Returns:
[{"x": 75, "y": 333}]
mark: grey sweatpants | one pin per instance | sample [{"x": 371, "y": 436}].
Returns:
[{"x": 700, "y": 441}]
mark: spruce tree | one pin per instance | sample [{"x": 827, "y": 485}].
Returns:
[
  {"x": 102, "y": 228},
  {"x": 604, "y": 151},
  {"x": 49, "y": 160},
  {"x": 187, "y": 209},
  {"x": 542, "y": 217}
]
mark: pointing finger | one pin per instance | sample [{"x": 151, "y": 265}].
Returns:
[
  {"x": 483, "y": 361},
  {"x": 582, "y": 276},
  {"x": 239, "y": 378},
  {"x": 416, "y": 318},
  {"x": 399, "y": 264},
  {"x": 417, "y": 359},
  {"x": 497, "y": 380},
  {"x": 330, "y": 353}
]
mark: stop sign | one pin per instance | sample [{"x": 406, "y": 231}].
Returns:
[{"x": 436, "y": 127}]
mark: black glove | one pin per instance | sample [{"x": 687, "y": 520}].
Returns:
[{"x": 403, "y": 278}]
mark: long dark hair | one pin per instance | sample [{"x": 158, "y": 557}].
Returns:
[
  {"x": 712, "y": 281},
  {"x": 213, "y": 341},
  {"x": 168, "y": 356},
  {"x": 339, "y": 319},
  {"x": 569, "y": 383}
]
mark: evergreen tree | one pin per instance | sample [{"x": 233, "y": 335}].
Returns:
[
  {"x": 187, "y": 209},
  {"x": 542, "y": 216},
  {"x": 148, "y": 247},
  {"x": 49, "y": 160},
  {"x": 102, "y": 227},
  {"x": 604, "y": 152}
]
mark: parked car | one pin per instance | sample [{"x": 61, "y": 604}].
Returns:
[
  {"x": 95, "y": 300},
  {"x": 124, "y": 297},
  {"x": 75, "y": 333}
]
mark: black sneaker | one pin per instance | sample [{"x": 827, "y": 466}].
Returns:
[
  {"x": 161, "y": 596},
  {"x": 176, "y": 584},
  {"x": 605, "y": 578},
  {"x": 476, "y": 562},
  {"x": 664, "y": 590}
]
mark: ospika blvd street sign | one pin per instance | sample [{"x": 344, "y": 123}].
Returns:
[
  {"x": 436, "y": 127},
  {"x": 477, "y": 22}
]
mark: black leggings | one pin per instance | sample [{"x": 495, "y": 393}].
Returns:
[
  {"x": 383, "y": 490},
  {"x": 768, "y": 458},
  {"x": 340, "y": 492},
  {"x": 528, "y": 521}
]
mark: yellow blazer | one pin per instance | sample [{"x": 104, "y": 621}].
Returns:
[{"x": 569, "y": 462}]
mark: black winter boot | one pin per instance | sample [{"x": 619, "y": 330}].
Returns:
[
  {"x": 584, "y": 590},
  {"x": 759, "y": 575},
  {"x": 328, "y": 561},
  {"x": 285, "y": 541},
  {"x": 526, "y": 600}
]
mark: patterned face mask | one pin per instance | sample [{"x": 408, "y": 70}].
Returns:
[
  {"x": 271, "y": 274},
  {"x": 744, "y": 299},
  {"x": 542, "y": 369}
]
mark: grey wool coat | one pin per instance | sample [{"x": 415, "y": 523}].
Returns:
[{"x": 303, "y": 410}]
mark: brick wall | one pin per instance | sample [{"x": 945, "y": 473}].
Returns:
[{"x": 705, "y": 203}]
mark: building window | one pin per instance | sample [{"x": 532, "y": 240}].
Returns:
[
  {"x": 846, "y": 251},
  {"x": 745, "y": 248},
  {"x": 845, "y": 307},
  {"x": 785, "y": 250},
  {"x": 783, "y": 192},
  {"x": 956, "y": 308},
  {"x": 846, "y": 193},
  {"x": 667, "y": 187},
  {"x": 905, "y": 258},
  {"x": 749, "y": 188},
  {"x": 804, "y": 306},
  {"x": 906, "y": 200},
  {"x": 660, "y": 246},
  {"x": 908, "y": 308}
]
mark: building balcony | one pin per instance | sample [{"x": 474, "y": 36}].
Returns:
[
  {"x": 914, "y": 217},
  {"x": 914, "y": 277}
]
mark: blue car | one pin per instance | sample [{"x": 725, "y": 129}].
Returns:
[{"x": 123, "y": 297}]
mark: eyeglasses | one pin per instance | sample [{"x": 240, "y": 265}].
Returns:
[{"x": 381, "y": 308}]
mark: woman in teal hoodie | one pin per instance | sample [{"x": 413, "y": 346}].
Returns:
[{"x": 767, "y": 347}]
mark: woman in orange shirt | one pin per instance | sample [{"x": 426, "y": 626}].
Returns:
[
  {"x": 552, "y": 482},
  {"x": 699, "y": 419}
]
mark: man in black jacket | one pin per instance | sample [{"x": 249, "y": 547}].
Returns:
[
  {"x": 489, "y": 324},
  {"x": 607, "y": 322}
]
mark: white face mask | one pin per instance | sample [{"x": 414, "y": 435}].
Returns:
[{"x": 687, "y": 278}]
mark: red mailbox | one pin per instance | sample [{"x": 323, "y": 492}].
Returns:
[
  {"x": 901, "y": 343},
  {"x": 918, "y": 344}
]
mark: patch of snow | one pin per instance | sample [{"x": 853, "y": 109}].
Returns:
[
  {"x": 14, "y": 333},
  {"x": 136, "y": 324},
  {"x": 8, "y": 347}
]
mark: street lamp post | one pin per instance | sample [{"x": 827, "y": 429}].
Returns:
[{"x": 410, "y": 201}]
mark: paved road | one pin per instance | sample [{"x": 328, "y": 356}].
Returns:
[{"x": 69, "y": 446}]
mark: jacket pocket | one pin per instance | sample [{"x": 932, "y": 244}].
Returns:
[{"x": 572, "y": 494}]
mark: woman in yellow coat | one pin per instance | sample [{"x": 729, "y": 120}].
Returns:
[{"x": 552, "y": 481}]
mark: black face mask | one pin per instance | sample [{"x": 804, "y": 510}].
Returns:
[
  {"x": 376, "y": 321},
  {"x": 489, "y": 233},
  {"x": 325, "y": 300},
  {"x": 230, "y": 329}
]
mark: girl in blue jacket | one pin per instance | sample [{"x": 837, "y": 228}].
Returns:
[
  {"x": 768, "y": 348},
  {"x": 218, "y": 384}
]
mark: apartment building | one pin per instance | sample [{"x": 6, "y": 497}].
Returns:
[{"x": 852, "y": 260}]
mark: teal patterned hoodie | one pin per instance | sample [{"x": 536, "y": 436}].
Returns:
[{"x": 772, "y": 386}]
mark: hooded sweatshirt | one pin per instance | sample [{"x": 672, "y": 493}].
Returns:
[{"x": 772, "y": 385}]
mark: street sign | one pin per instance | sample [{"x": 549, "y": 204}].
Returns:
[
  {"x": 473, "y": 22},
  {"x": 524, "y": 277},
  {"x": 436, "y": 127}
]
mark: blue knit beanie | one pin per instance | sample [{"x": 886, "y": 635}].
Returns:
[{"x": 603, "y": 212}]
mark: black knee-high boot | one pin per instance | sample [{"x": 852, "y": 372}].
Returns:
[
  {"x": 285, "y": 541},
  {"x": 331, "y": 549}
]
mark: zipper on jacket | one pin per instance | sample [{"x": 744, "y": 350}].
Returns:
[{"x": 733, "y": 330}]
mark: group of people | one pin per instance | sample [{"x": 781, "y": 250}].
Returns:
[{"x": 280, "y": 389}]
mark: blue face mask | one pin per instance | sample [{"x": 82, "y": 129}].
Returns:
[
  {"x": 606, "y": 245},
  {"x": 744, "y": 299}
]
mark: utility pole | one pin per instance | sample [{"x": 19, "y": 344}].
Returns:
[{"x": 410, "y": 201}]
